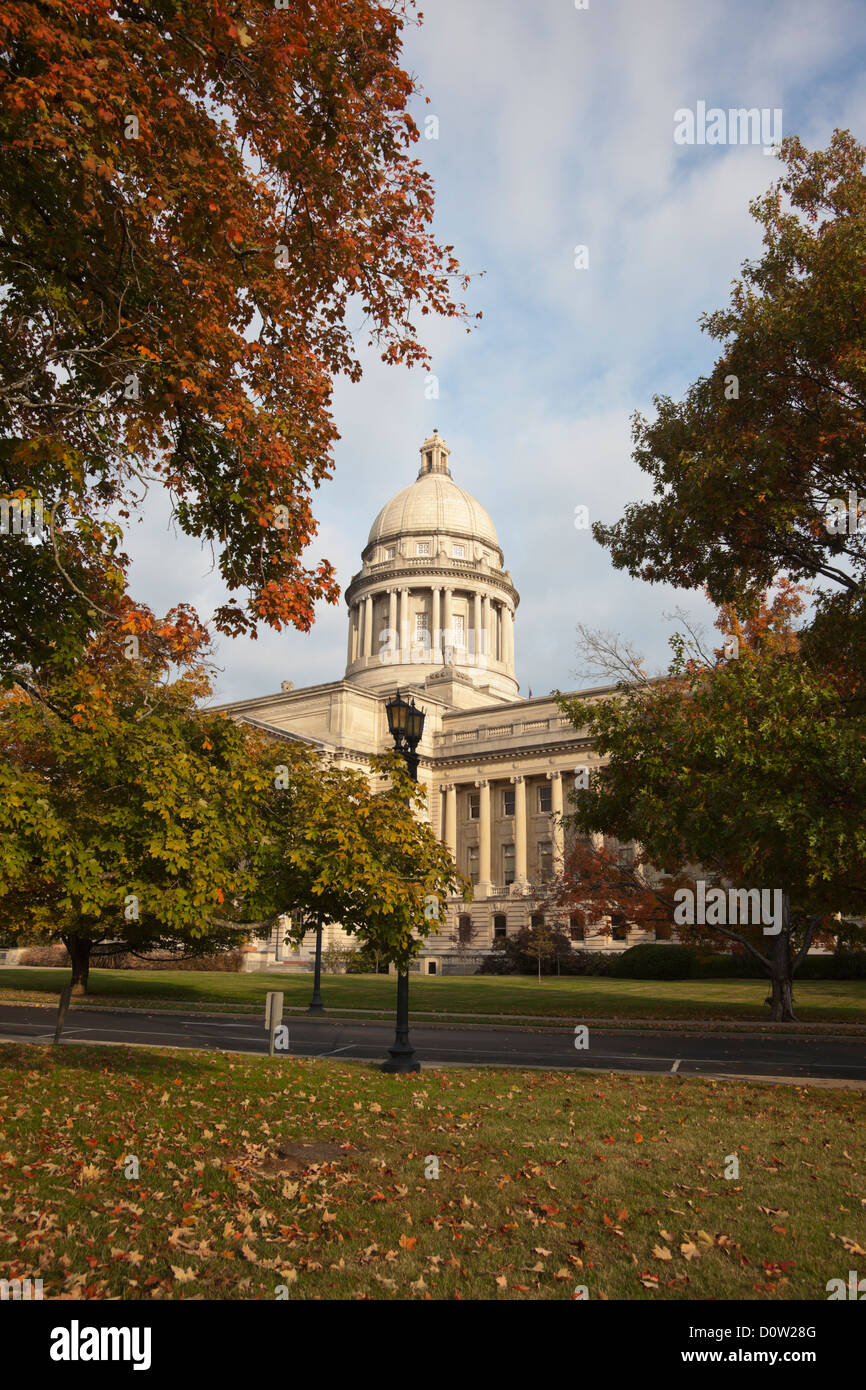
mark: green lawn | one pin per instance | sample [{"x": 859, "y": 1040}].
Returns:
[
  {"x": 581, "y": 997},
  {"x": 546, "y": 1181}
]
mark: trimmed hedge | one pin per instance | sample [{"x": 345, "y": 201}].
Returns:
[
  {"x": 663, "y": 962},
  {"x": 656, "y": 962}
]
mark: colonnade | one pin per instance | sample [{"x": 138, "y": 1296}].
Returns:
[
  {"x": 521, "y": 826},
  {"x": 490, "y": 634}
]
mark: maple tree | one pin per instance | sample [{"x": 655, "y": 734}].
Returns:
[
  {"x": 745, "y": 468},
  {"x": 746, "y": 772},
  {"x": 201, "y": 208},
  {"x": 126, "y": 813},
  {"x": 351, "y": 847}
]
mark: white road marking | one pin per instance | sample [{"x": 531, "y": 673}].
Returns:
[{"x": 676, "y": 1066}]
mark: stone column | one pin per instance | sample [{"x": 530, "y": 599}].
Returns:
[
  {"x": 368, "y": 625},
  {"x": 392, "y": 624},
  {"x": 520, "y": 878},
  {"x": 435, "y": 638},
  {"x": 448, "y": 635},
  {"x": 558, "y": 835},
  {"x": 351, "y": 649},
  {"x": 476, "y": 632},
  {"x": 449, "y": 794},
  {"x": 484, "y": 881},
  {"x": 403, "y": 626},
  {"x": 491, "y": 630},
  {"x": 508, "y": 636}
]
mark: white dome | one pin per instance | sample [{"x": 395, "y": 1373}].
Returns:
[{"x": 433, "y": 503}]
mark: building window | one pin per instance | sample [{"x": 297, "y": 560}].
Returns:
[
  {"x": 618, "y": 927},
  {"x": 508, "y": 802},
  {"x": 422, "y": 636},
  {"x": 536, "y": 920},
  {"x": 545, "y": 798},
  {"x": 472, "y": 862},
  {"x": 458, "y": 630},
  {"x": 507, "y": 864},
  {"x": 545, "y": 860},
  {"x": 499, "y": 926},
  {"x": 464, "y": 929},
  {"x": 575, "y": 929},
  {"x": 459, "y": 552},
  {"x": 390, "y": 552},
  {"x": 474, "y": 805},
  {"x": 429, "y": 458},
  {"x": 625, "y": 856},
  {"x": 422, "y": 548}
]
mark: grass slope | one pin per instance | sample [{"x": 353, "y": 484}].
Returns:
[
  {"x": 573, "y": 998},
  {"x": 547, "y": 1181}
]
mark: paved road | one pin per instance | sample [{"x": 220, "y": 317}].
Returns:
[{"x": 688, "y": 1055}]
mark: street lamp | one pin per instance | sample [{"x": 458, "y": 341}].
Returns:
[
  {"x": 316, "y": 1006},
  {"x": 406, "y": 726}
]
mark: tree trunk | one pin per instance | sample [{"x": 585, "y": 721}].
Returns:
[
  {"x": 79, "y": 952},
  {"x": 781, "y": 977},
  {"x": 782, "y": 999}
]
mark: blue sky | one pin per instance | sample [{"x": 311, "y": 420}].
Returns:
[{"x": 556, "y": 130}]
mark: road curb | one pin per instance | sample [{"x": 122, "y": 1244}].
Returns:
[{"x": 528, "y": 1023}]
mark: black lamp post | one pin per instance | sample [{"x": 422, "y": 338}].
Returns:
[
  {"x": 316, "y": 1006},
  {"x": 406, "y": 725}
]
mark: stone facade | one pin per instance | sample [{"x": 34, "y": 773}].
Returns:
[{"x": 431, "y": 612}]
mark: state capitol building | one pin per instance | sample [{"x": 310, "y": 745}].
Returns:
[{"x": 431, "y": 612}]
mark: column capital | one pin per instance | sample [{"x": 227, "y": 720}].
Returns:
[
  {"x": 482, "y": 782},
  {"x": 556, "y": 772},
  {"x": 518, "y": 777}
]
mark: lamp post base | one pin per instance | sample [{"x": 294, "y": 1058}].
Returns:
[
  {"x": 401, "y": 1053},
  {"x": 400, "y": 1061}
]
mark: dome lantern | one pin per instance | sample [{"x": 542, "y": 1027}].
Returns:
[{"x": 434, "y": 456}]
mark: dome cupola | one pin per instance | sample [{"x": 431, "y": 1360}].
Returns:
[{"x": 432, "y": 596}]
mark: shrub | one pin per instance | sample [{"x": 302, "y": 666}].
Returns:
[
  {"x": 656, "y": 962},
  {"x": 843, "y": 965}
]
